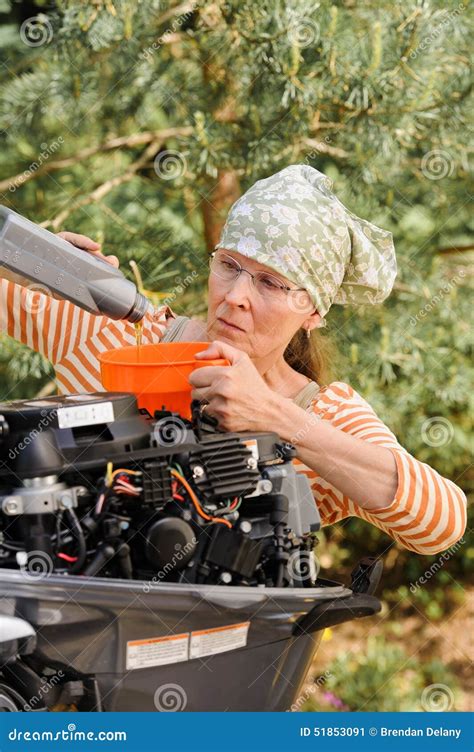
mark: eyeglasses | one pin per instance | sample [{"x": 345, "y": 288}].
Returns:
[{"x": 267, "y": 285}]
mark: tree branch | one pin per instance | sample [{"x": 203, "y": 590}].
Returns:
[
  {"x": 323, "y": 148},
  {"x": 98, "y": 193},
  {"x": 455, "y": 249},
  {"x": 127, "y": 142}
]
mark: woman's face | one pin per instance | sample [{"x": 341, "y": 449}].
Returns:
[{"x": 262, "y": 324}]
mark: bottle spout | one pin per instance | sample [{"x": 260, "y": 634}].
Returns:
[{"x": 140, "y": 308}]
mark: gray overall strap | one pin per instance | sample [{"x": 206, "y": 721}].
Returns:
[
  {"x": 306, "y": 396},
  {"x": 175, "y": 329}
]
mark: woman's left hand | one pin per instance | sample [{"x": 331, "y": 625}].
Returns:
[{"x": 238, "y": 396}]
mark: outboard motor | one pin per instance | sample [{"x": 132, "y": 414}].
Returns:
[{"x": 137, "y": 545}]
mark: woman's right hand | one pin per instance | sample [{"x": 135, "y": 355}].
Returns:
[{"x": 89, "y": 245}]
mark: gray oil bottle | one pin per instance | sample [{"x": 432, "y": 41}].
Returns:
[{"x": 29, "y": 253}]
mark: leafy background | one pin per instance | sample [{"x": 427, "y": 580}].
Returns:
[{"x": 138, "y": 123}]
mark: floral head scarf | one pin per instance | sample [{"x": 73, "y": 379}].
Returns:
[{"x": 293, "y": 223}]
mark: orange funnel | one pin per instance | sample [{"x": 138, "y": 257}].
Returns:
[{"x": 156, "y": 374}]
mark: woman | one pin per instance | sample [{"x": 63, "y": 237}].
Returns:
[{"x": 288, "y": 251}]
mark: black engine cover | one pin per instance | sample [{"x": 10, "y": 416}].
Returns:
[{"x": 47, "y": 436}]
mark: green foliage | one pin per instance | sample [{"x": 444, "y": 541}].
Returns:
[
  {"x": 381, "y": 677},
  {"x": 376, "y": 96},
  {"x": 22, "y": 372},
  {"x": 430, "y": 585}
]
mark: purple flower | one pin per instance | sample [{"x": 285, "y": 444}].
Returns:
[{"x": 335, "y": 701}]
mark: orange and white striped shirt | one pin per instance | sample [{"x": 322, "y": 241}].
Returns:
[{"x": 428, "y": 513}]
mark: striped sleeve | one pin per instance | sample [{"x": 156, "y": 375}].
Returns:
[
  {"x": 69, "y": 337},
  {"x": 34, "y": 318},
  {"x": 428, "y": 512}
]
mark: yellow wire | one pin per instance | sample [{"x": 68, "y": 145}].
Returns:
[
  {"x": 124, "y": 470},
  {"x": 111, "y": 475}
]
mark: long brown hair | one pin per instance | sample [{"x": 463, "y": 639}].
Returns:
[{"x": 314, "y": 356}]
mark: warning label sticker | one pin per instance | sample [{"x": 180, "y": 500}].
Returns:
[
  {"x": 157, "y": 651},
  {"x": 218, "y": 640}
]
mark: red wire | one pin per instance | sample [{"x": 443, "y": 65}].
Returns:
[{"x": 66, "y": 557}]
